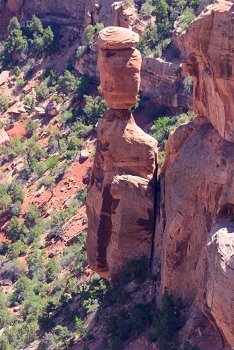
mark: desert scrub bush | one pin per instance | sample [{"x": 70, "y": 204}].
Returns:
[
  {"x": 31, "y": 127},
  {"x": 4, "y": 103},
  {"x": 135, "y": 269},
  {"x": 188, "y": 84},
  {"x": 187, "y": 17},
  {"x": 21, "y": 83},
  {"x": 53, "y": 268},
  {"x": 42, "y": 92},
  {"x": 81, "y": 51},
  {"x": 67, "y": 82},
  {"x": 12, "y": 270},
  {"x": 33, "y": 217},
  {"x": 30, "y": 102},
  {"x": 94, "y": 109},
  {"x": 83, "y": 85},
  {"x": 83, "y": 195},
  {"x": 47, "y": 181},
  {"x": 17, "y": 71},
  {"x": 164, "y": 125},
  {"x": 167, "y": 321},
  {"x": 6, "y": 317}
]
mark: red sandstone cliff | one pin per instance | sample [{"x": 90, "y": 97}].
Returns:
[{"x": 194, "y": 233}]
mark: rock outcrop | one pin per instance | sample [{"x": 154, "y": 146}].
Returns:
[
  {"x": 119, "y": 65},
  {"x": 194, "y": 230},
  {"x": 211, "y": 65},
  {"x": 197, "y": 235},
  {"x": 120, "y": 200},
  {"x": 162, "y": 82}
]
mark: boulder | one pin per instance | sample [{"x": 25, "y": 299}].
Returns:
[
  {"x": 120, "y": 77},
  {"x": 3, "y": 136},
  {"x": 117, "y": 38},
  {"x": 4, "y": 76}
]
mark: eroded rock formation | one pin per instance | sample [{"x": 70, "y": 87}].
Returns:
[
  {"x": 120, "y": 200},
  {"x": 194, "y": 231},
  {"x": 210, "y": 38}
]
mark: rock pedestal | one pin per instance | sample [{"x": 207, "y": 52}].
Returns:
[{"x": 120, "y": 200}]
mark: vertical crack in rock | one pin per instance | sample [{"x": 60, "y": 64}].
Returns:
[{"x": 104, "y": 230}]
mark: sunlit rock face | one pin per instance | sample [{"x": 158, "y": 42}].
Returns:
[
  {"x": 211, "y": 64},
  {"x": 120, "y": 200}
]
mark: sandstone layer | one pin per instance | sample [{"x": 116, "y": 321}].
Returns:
[
  {"x": 120, "y": 77},
  {"x": 210, "y": 38},
  {"x": 197, "y": 204},
  {"x": 117, "y": 38},
  {"x": 119, "y": 65},
  {"x": 120, "y": 201},
  {"x": 163, "y": 83}
]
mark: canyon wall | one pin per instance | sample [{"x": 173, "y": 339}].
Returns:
[
  {"x": 210, "y": 38},
  {"x": 194, "y": 245}
]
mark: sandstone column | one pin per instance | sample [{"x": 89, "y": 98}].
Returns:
[{"x": 120, "y": 200}]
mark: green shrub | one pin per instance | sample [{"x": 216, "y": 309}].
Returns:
[
  {"x": 31, "y": 127},
  {"x": 13, "y": 270},
  {"x": 70, "y": 154},
  {"x": 67, "y": 82},
  {"x": 79, "y": 327},
  {"x": 21, "y": 83},
  {"x": 83, "y": 86},
  {"x": 17, "y": 71},
  {"x": 135, "y": 269},
  {"x": 186, "y": 18},
  {"x": 15, "y": 229},
  {"x": 42, "y": 92},
  {"x": 53, "y": 268},
  {"x": 47, "y": 181},
  {"x": 188, "y": 84},
  {"x": 4, "y": 103},
  {"x": 94, "y": 109},
  {"x": 33, "y": 216}
]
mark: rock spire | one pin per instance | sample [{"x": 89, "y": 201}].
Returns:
[{"x": 120, "y": 200}]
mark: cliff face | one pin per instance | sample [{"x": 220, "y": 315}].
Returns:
[
  {"x": 194, "y": 231},
  {"x": 162, "y": 82},
  {"x": 210, "y": 38},
  {"x": 197, "y": 239}
]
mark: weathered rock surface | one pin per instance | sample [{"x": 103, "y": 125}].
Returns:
[
  {"x": 197, "y": 202},
  {"x": 124, "y": 16},
  {"x": 120, "y": 77},
  {"x": 4, "y": 76},
  {"x": 210, "y": 39},
  {"x": 117, "y": 38},
  {"x": 119, "y": 65},
  {"x": 3, "y": 136},
  {"x": 120, "y": 196},
  {"x": 162, "y": 82}
]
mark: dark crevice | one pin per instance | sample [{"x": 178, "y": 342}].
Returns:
[
  {"x": 104, "y": 230},
  {"x": 156, "y": 188}
]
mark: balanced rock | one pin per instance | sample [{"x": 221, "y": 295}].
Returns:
[
  {"x": 117, "y": 38},
  {"x": 119, "y": 65}
]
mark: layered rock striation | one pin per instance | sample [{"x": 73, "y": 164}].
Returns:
[{"x": 120, "y": 200}]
